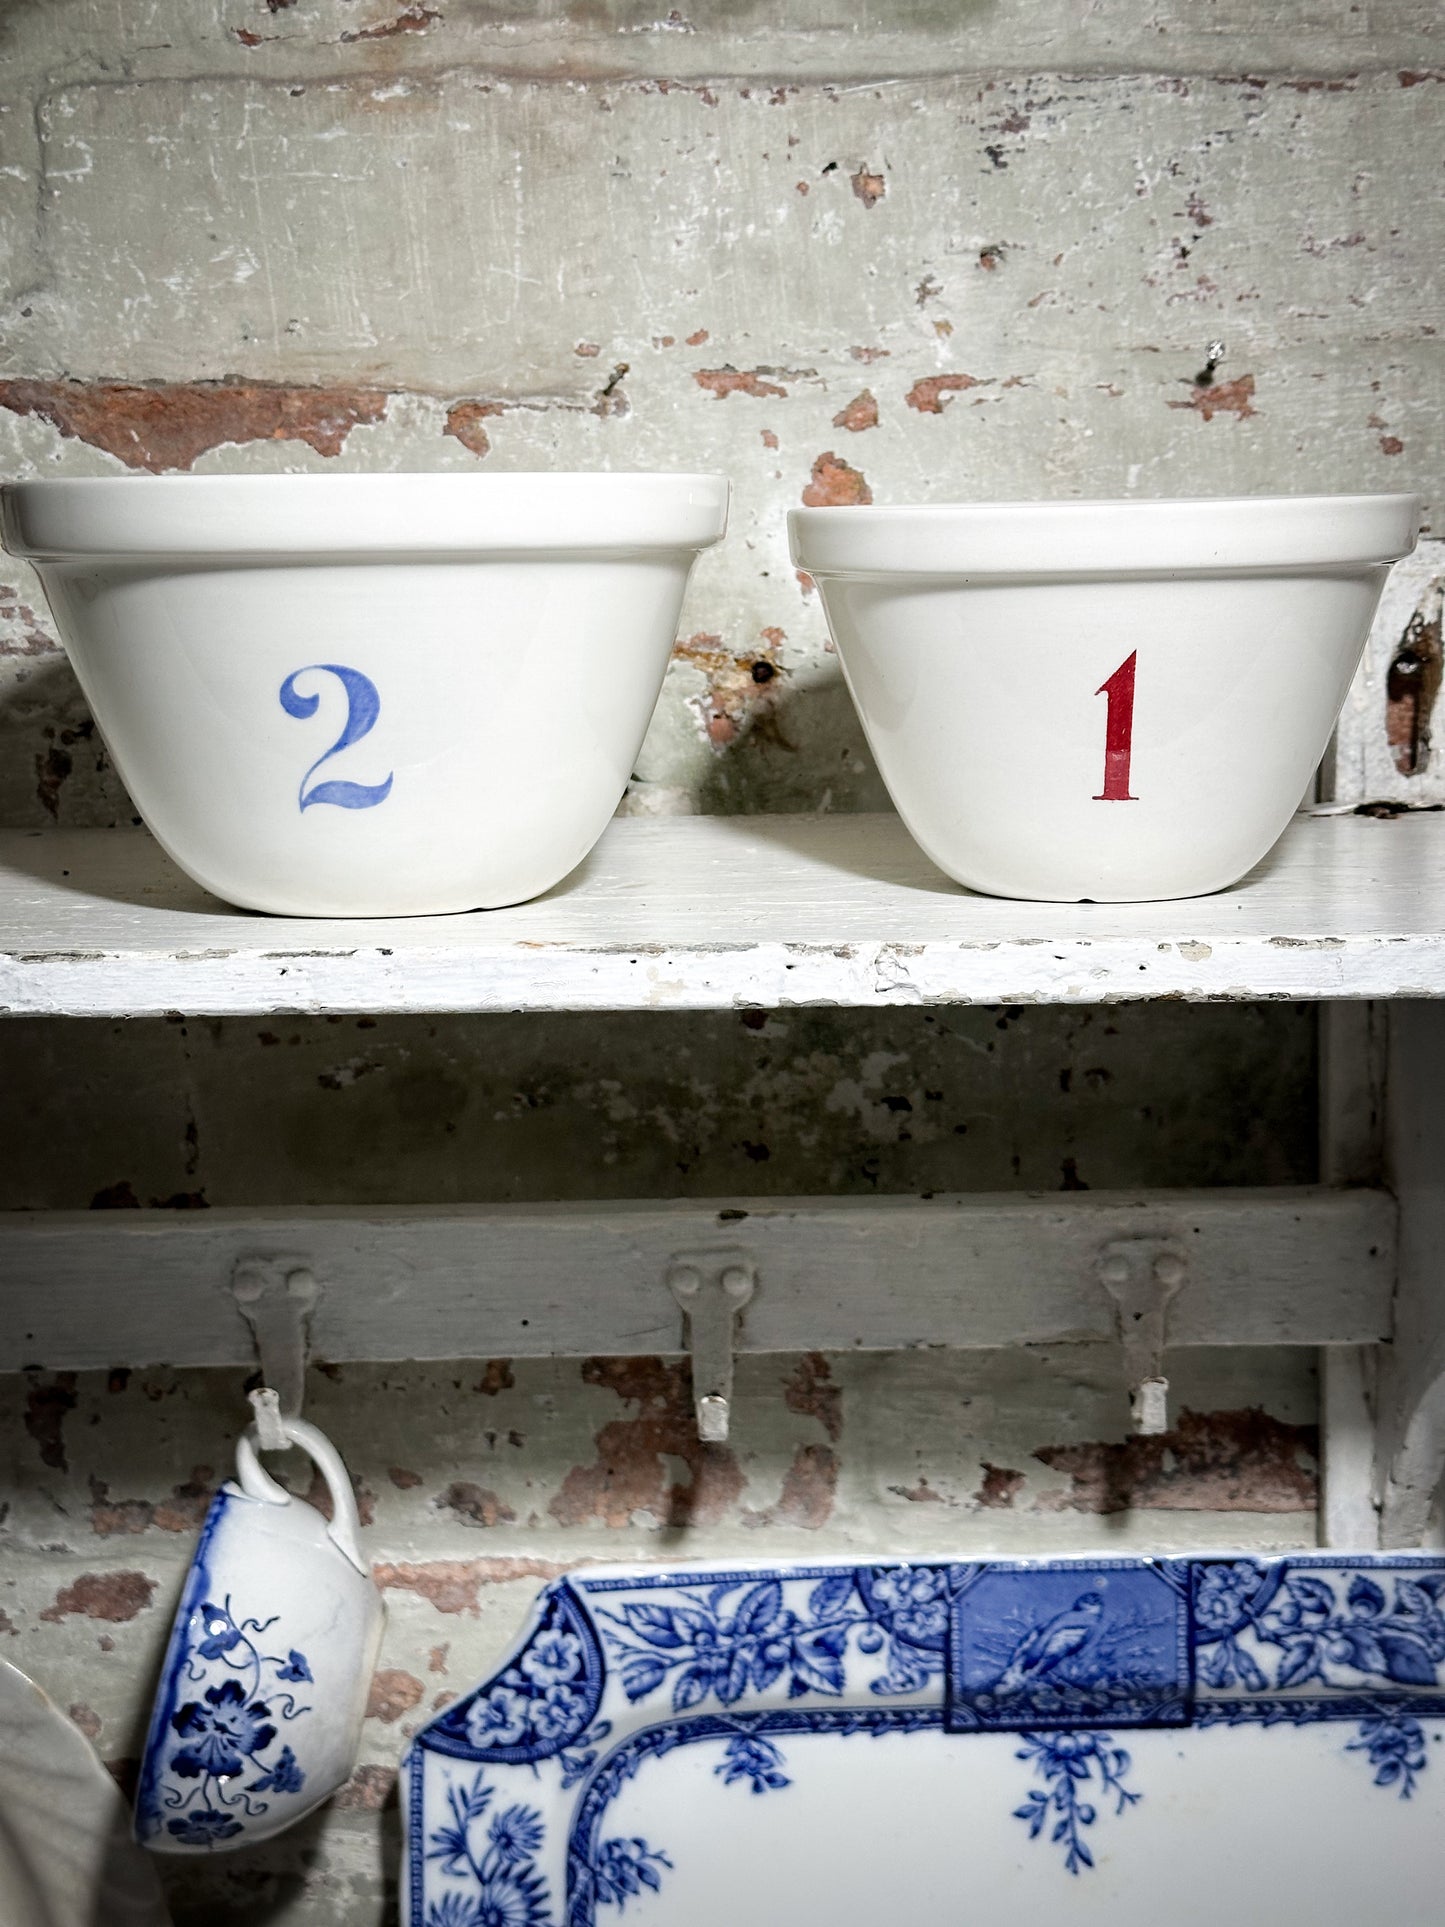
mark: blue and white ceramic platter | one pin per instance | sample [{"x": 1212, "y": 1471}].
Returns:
[{"x": 1202, "y": 1740}]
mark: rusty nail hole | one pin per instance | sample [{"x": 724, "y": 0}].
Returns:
[{"x": 1213, "y": 355}]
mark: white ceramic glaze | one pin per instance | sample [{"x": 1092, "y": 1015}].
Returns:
[
  {"x": 263, "y": 1691},
  {"x": 66, "y": 1856},
  {"x": 1106, "y": 701},
  {"x": 1105, "y": 1741},
  {"x": 370, "y": 695}
]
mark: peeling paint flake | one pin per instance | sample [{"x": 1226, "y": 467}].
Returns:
[
  {"x": 21, "y": 630},
  {"x": 860, "y": 413},
  {"x": 868, "y": 186},
  {"x": 1242, "y": 1461},
  {"x": 183, "y": 1511},
  {"x": 412, "y": 19},
  {"x": 921, "y": 1494},
  {"x": 1221, "y": 398},
  {"x": 809, "y": 1488},
  {"x": 474, "y": 1505},
  {"x": 162, "y": 426},
  {"x": 464, "y": 422},
  {"x": 455, "y": 1585},
  {"x": 86, "y": 1718},
  {"x": 391, "y": 1694},
  {"x": 809, "y": 1390},
  {"x": 927, "y": 394},
  {"x": 627, "y": 1484},
  {"x": 728, "y": 380},
  {"x": 1000, "y": 1487},
  {"x": 836, "y": 484},
  {"x": 112, "y": 1596}
]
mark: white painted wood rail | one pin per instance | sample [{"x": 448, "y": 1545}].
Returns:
[
  {"x": 1409, "y": 1394},
  {"x": 691, "y": 913},
  {"x": 1261, "y": 1267}
]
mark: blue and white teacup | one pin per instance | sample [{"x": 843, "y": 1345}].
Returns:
[{"x": 264, "y": 1686}]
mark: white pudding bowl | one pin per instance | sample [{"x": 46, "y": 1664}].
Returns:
[
  {"x": 370, "y": 695},
  {"x": 1101, "y": 701}
]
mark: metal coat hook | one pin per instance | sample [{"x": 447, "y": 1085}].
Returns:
[
  {"x": 1143, "y": 1276},
  {"x": 276, "y": 1297},
  {"x": 712, "y": 1288}
]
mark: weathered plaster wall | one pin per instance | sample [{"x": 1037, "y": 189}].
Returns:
[
  {"x": 922, "y": 249},
  {"x": 946, "y": 250}
]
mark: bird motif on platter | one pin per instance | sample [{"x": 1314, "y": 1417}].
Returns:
[{"x": 1044, "y": 1649}]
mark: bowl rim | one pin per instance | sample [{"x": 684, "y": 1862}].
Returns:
[
  {"x": 1223, "y": 534},
  {"x": 370, "y": 514}
]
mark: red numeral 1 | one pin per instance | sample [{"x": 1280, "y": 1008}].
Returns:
[{"x": 1118, "y": 733}]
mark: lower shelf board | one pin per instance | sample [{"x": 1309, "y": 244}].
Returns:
[
  {"x": 705, "y": 913},
  {"x": 1260, "y": 1266}
]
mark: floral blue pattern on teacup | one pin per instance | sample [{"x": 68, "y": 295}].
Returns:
[
  {"x": 263, "y": 1688},
  {"x": 229, "y": 1730},
  {"x": 221, "y": 1751}
]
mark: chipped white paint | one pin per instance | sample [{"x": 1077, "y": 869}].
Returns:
[
  {"x": 706, "y": 912},
  {"x": 821, "y": 39},
  {"x": 1349, "y": 1511},
  {"x": 1410, "y": 1401}
]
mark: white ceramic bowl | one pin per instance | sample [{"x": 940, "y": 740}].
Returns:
[
  {"x": 370, "y": 695},
  {"x": 1104, "y": 701}
]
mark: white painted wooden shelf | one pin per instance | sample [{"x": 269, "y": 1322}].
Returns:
[
  {"x": 717, "y": 912},
  {"x": 696, "y": 913}
]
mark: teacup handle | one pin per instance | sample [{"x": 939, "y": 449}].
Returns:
[{"x": 257, "y": 1483}]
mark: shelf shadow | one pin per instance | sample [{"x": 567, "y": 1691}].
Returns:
[
  {"x": 880, "y": 850},
  {"x": 150, "y": 880}
]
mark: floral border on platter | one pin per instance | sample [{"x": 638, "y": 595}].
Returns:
[{"x": 1063, "y": 1654}]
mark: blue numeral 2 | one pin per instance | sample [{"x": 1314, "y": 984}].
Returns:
[{"x": 363, "y": 706}]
